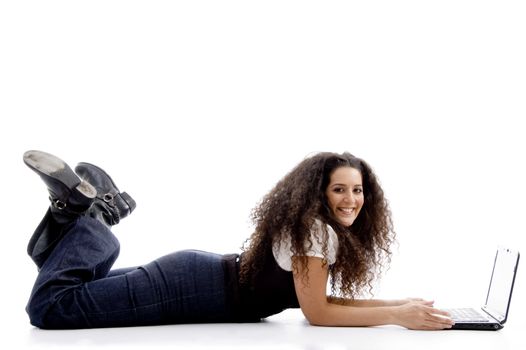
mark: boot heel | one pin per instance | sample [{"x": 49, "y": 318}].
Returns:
[
  {"x": 87, "y": 189},
  {"x": 129, "y": 200},
  {"x": 64, "y": 186},
  {"x": 70, "y": 197}
]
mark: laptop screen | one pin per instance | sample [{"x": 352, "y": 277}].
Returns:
[{"x": 501, "y": 284}]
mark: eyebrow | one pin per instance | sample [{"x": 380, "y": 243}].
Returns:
[{"x": 338, "y": 184}]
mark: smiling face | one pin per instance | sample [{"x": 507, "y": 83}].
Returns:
[{"x": 345, "y": 194}]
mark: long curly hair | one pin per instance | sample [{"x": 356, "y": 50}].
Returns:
[{"x": 299, "y": 199}]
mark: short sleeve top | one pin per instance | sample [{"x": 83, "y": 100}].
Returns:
[{"x": 283, "y": 255}]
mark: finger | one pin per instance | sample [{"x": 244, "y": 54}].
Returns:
[
  {"x": 440, "y": 321},
  {"x": 441, "y": 326},
  {"x": 436, "y": 325},
  {"x": 432, "y": 328},
  {"x": 428, "y": 326},
  {"x": 432, "y": 310},
  {"x": 415, "y": 299}
]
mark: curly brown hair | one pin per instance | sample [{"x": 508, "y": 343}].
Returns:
[{"x": 299, "y": 199}]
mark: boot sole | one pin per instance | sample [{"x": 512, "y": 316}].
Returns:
[{"x": 53, "y": 168}]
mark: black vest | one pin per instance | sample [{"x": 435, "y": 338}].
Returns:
[{"x": 270, "y": 293}]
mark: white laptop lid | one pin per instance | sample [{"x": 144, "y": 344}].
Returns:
[{"x": 501, "y": 283}]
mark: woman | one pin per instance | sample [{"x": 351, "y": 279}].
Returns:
[{"x": 327, "y": 217}]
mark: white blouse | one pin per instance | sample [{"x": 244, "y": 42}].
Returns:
[{"x": 283, "y": 255}]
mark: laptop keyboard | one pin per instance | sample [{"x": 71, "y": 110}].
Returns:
[{"x": 466, "y": 315}]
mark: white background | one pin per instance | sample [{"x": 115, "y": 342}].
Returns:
[{"x": 197, "y": 108}]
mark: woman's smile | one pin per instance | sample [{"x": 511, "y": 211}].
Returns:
[{"x": 345, "y": 194}]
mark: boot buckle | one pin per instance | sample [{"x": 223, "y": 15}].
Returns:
[
  {"x": 108, "y": 197},
  {"x": 57, "y": 203}
]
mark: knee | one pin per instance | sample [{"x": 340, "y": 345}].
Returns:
[
  {"x": 52, "y": 315},
  {"x": 36, "y": 313}
]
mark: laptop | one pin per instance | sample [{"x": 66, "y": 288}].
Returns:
[{"x": 494, "y": 312}]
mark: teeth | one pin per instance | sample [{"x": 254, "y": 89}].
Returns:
[{"x": 347, "y": 210}]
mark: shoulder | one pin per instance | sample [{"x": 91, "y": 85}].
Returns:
[
  {"x": 323, "y": 243},
  {"x": 323, "y": 232},
  {"x": 324, "y": 237}
]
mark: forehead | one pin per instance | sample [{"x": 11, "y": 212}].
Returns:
[{"x": 346, "y": 176}]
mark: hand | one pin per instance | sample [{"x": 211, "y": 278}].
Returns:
[
  {"x": 420, "y": 314},
  {"x": 406, "y": 301}
]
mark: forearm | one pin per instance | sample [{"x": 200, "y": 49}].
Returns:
[
  {"x": 332, "y": 314},
  {"x": 364, "y": 302},
  {"x": 322, "y": 311},
  {"x": 410, "y": 314}
]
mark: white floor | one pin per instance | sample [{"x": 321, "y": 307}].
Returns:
[{"x": 285, "y": 331}]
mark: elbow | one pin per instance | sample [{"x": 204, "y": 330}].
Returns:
[
  {"x": 317, "y": 317},
  {"x": 317, "y": 322}
]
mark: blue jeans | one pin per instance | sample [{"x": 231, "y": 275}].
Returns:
[{"x": 76, "y": 289}]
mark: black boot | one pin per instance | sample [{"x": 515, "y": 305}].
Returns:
[
  {"x": 110, "y": 205},
  {"x": 69, "y": 196}
]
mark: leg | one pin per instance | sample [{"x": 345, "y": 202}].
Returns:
[
  {"x": 69, "y": 196},
  {"x": 74, "y": 290},
  {"x": 85, "y": 253},
  {"x": 121, "y": 271},
  {"x": 92, "y": 194}
]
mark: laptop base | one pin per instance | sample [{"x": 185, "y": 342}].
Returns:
[{"x": 489, "y": 326}]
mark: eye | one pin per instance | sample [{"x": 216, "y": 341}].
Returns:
[
  {"x": 338, "y": 189},
  {"x": 358, "y": 190}
]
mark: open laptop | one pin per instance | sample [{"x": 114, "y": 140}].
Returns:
[{"x": 494, "y": 313}]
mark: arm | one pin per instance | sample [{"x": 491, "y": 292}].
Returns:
[
  {"x": 370, "y": 302},
  {"x": 319, "y": 311}
]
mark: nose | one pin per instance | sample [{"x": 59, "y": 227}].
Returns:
[{"x": 349, "y": 197}]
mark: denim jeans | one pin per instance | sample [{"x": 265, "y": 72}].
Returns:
[{"x": 76, "y": 289}]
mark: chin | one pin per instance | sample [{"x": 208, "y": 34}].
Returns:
[{"x": 346, "y": 223}]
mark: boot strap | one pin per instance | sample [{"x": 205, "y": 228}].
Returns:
[{"x": 63, "y": 206}]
